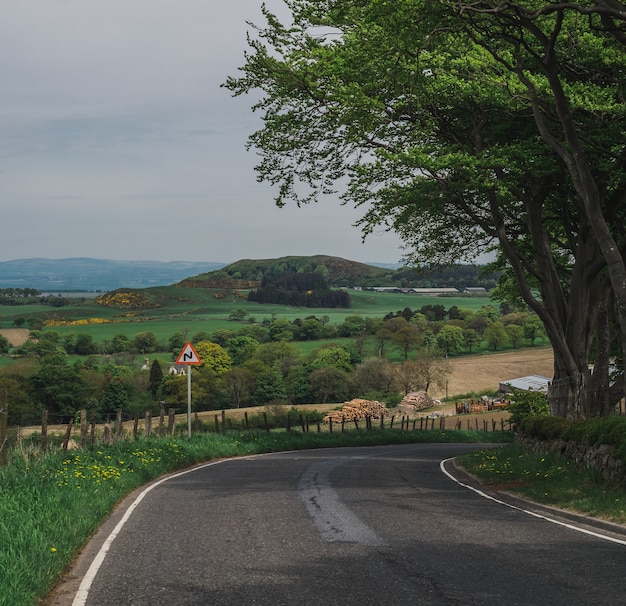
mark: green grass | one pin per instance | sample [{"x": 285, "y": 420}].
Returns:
[
  {"x": 548, "y": 479},
  {"x": 50, "y": 505},
  {"x": 192, "y": 310}
]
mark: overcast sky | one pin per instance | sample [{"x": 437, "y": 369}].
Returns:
[{"x": 117, "y": 142}]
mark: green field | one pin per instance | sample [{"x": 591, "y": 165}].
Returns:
[{"x": 190, "y": 311}]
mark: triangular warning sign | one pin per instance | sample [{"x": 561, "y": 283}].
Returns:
[{"x": 188, "y": 355}]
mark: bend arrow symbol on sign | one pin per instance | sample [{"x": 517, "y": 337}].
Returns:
[{"x": 188, "y": 355}]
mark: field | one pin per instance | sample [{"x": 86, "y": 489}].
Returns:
[
  {"x": 15, "y": 336},
  {"x": 472, "y": 374},
  {"x": 190, "y": 311}
]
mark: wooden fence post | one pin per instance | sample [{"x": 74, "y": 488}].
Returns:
[
  {"x": 84, "y": 427},
  {"x": 118, "y": 424},
  {"x": 135, "y": 424},
  {"x": 44, "y": 430},
  {"x": 196, "y": 422},
  {"x": 92, "y": 428},
  {"x": 162, "y": 419},
  {"x": 302, "y": 424},
  {"x": 267, "y": 425},
  {"x": 147, "y": 423},
  {"x": 68, "y": 433},
  {"x": 107, "y": 438},
  {"x": 4, "y": 430},
  {"x": 171, "y": 421},
  {"x": 245, "y": 416},
  {"x": 217, "y": 424}
]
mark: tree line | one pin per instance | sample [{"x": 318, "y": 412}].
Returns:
[
  {"x": 306, "y": 289},
  {"x": 256, "y": 363},
  {"x": 469, "y": 127}
]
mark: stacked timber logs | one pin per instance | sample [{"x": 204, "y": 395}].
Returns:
[
  {"x": 357, "y": 410},
  {"x": 415, "y": 401}
]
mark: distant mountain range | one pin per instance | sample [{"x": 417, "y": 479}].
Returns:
[
  {"x": 86, "y": 274},
  {"x": 83, "y": 274}
]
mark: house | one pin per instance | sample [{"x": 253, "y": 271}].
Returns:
[
  {"x": 476, "y": 290},
  {"x": 177, "y": 369}
]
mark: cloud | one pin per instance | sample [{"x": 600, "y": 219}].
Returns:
[{"x": 117, "y": 141}]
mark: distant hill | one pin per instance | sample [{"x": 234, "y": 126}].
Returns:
[
  {"x": 248, "y": 273},
  {"x": 86, "y": 274}
]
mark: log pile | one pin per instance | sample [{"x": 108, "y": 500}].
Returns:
[
  {"x": 415, "y": 401},
  {"x": 357, "y": 410}
]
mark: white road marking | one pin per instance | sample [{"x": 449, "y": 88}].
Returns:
[
  {"x": 83, "y": 590},
  {"x": 530, "y": 513},
  {"x": 334, "y": 520}
]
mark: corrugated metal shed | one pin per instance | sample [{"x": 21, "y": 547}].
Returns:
[{"x": 528, "y": 383}]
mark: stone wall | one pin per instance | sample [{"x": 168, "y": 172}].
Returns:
[{"x": 600, "y": 458}]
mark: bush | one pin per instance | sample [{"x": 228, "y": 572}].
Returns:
[
  {"x": 544, "y": 428},
  {"x": 525, "y": 404},
  {"x": 605, "y": 430}
]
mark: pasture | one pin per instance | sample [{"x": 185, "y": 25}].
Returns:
[{"x": 189, "y": 311}]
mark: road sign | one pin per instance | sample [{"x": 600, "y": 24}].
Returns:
[{"x": 188, "y": 355}]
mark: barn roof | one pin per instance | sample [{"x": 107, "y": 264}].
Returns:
[{"x": 530, "y": 382}]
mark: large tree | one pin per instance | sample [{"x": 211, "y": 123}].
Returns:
[{"x": 406, "y": 110}]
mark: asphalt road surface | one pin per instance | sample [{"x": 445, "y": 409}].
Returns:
[{"x": 383, "y": 525}]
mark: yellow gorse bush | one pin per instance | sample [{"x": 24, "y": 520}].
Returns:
[
  {"x": 81, "y": 322},
  {"x": 124, "y": 299}
]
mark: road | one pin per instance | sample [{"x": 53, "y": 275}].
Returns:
[{"x": 363, "y": 526}]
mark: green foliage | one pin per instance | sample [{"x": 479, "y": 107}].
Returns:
[
  {"x": 145, "y": 342},
  {"x": 526, "y": 404},
  {"x": 213, "y": 356},
  {"x": 606, "y": 430},
  {"x": 548, "y": 478},
  {"x": 300, "y": 290},
  {"x": 156, "y": 378},
  {"x": 543, "y": 427}
]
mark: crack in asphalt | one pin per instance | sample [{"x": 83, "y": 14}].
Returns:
[{"x": 334, "y": 520}]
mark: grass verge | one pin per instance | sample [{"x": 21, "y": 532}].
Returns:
[
  {"x": 50, "y": 505},
  {"x": 548, "y": 479}
]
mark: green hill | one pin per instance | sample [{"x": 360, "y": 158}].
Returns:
[
  {"x": 338, "y": 272},
  {"x": 248, "y": 273}
]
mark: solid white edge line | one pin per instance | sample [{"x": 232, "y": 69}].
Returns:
[
  {"x": 526, "y": 511},
  {"x": 83, "y": 590}
]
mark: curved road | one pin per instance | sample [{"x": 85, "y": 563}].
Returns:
[{"x": 383, "y": 525}]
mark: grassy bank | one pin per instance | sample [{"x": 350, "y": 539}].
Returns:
[
  {"x": 547, "y": 479},
  {"x": 50, "y": 505}
]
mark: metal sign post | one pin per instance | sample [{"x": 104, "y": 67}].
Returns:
[{"x": 189, "y": 357}]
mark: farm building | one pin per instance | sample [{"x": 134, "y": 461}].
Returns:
[
  {"x": 416, "y": 291},
  {"x": 528, "y": 383}
]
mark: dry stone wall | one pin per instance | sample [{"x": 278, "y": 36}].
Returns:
[{"x": 601, "y": 458}]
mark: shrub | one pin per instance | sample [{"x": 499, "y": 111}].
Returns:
[
  {"x": 544, "y": 428},
  {"x": 526, "y": 404}
]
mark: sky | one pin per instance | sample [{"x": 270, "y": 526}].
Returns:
[{"x": 117, "y": 141}]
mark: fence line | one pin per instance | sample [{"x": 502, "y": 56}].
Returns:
[{"x": 87, "y": 431}]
